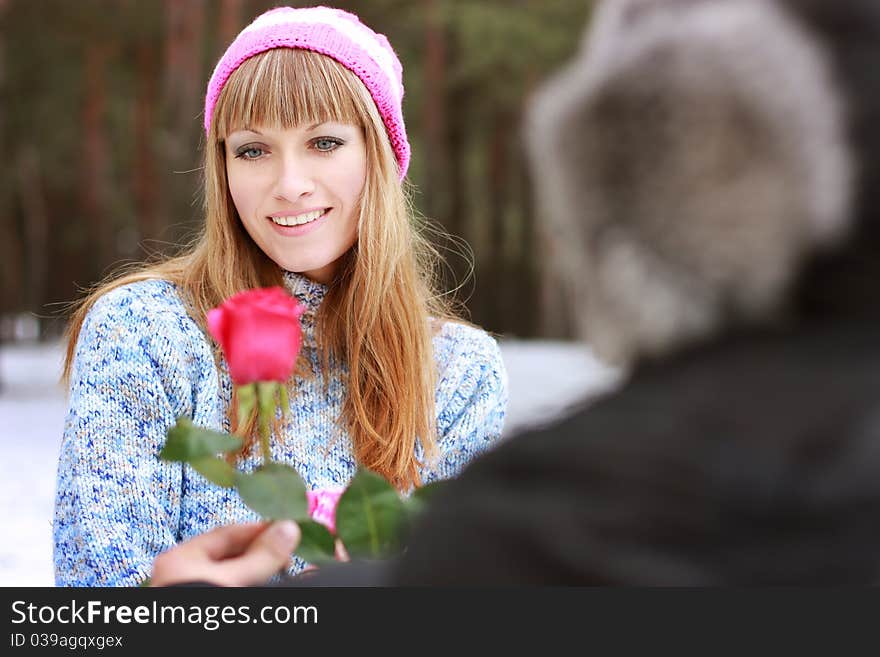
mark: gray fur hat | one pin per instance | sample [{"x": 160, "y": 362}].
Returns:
[{"x": 689, "y": 159}]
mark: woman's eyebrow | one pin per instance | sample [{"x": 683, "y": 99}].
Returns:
[
  {"x": 256, "y": 132},
  {"x": 342, "y": 124}
]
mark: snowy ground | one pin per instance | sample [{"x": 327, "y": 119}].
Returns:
[{"x": 544, "y": 378}]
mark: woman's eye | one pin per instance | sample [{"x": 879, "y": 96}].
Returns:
[
  {"x": 249, "y": 152},
  {"x": 327, "y": 144}
]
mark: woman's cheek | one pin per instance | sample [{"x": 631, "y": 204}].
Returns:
[{"x": 243, "y": 195}]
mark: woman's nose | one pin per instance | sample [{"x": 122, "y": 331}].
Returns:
[{"x": 294, "y": 179}]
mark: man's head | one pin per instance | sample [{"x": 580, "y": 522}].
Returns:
[{"x": 694, "y": 159}]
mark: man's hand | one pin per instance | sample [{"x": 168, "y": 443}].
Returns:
[{"x": 234, "y": 555}]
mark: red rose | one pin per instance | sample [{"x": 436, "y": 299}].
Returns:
[{"x": 260, "y": 334}]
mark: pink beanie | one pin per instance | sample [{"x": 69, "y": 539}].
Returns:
[{"x": 337, "y": 34}]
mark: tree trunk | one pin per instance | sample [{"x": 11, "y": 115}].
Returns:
[
  {"x": 36, "y": 226},
  {"x": 183, "y": 93},
  {"x": 10, "y": 253},
  {"x": 185, "y": 23},
  {"x": 459, "y": 219},
  {"x": 145, "y": 182},
  {"x": 527, "y": 259},
  {"x": 436, "y": 157},
  {"x": 499, "y": 293},
  {"x": 229, "y": 23},
  {"x": 95, "y": 157}
]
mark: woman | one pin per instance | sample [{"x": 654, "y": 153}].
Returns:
[{"x": 305, "y": 156}]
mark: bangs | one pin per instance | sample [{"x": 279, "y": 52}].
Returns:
[{"x": 286, "y": 88}]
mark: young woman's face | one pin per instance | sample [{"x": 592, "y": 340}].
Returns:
[{"x": 297, "y": 191}]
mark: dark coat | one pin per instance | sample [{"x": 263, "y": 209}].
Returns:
[{"x": 752, "y": 461}]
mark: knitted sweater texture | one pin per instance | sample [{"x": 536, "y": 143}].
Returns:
[{"x": 141, "y": 362}]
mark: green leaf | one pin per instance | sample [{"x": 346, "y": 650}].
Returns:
[
  {"x": 275, "y": 491},
  {"x": 370, "y": 517},
  {"x": 416, "y": 503},
  {"x": 189, "y": 443},
  {"x": 317, "y": 545},
  {"x": 215, "y": 470}
]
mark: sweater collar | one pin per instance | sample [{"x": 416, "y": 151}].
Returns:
[{"x": 305, "y": 289}]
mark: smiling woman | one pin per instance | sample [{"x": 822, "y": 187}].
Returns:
[
  {"x": 297, "y": 192},
  {"x": 305, "y": 158}
]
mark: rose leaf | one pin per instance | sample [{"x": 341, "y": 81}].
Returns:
[
  {"x": 188, "y": 443},
  {"x": 275, "y": 491},
  {"x": 317, "y": 545},
  {"x": 370, "y": 517}
]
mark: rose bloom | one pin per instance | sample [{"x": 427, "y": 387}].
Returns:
[{"x": 260, "y": 334}]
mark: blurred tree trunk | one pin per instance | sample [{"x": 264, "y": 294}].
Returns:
[
  {"x": 93, "y": 174},
  {"x": 555, "y": 317},
  {"x": 498, "y": 283},
  {"x": 457, "y": 154},
  {"x": 36, "y": 226},
  {"x": 183, "y": 89},
  {"x": 459, "y": 219},
  {"x": 552, "y": 317},
  {"x": 10, "y": 254},
  {"x": 145, "y": 182},
  {"x": 528, "y": 259},
  {"x": 185, "y": 22},
  {"x": 229, "y": 23},
  {"x": 434, "y": 115},
  {"x": 445, "y": 123}
]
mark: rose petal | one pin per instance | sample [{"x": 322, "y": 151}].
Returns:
[{"x": 322, "y": 505}]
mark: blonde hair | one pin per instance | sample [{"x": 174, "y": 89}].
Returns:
[{"x": 376, "y": 314}]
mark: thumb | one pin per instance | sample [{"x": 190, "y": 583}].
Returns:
[{"x": 266, "y": 555}]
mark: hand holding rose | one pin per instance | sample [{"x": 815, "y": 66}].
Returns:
[
  {"x": 259, "y": 332},
  {"x": 235, "y": 555}
]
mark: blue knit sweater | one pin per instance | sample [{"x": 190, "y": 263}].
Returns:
[{"x": 141, "y": 362}]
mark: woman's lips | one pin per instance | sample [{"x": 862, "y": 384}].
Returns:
[{"x": 302, "y": 229}]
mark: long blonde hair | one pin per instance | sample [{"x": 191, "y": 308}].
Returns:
[{"x": 376, "y": 316}]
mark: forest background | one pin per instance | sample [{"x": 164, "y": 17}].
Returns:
[{"x": 101, "y": 136}]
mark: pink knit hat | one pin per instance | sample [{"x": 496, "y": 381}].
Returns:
[{"x": 337, "y": 34}]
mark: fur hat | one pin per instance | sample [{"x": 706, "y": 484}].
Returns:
[{"x": 689, "y": 158}]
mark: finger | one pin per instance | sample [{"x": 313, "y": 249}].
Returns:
[
  {"x": 197, "y": 559},
  {"x": 227, "y": 541},
  {"x": 177, "y": 565},
  {"x": 266, "y": 555}
]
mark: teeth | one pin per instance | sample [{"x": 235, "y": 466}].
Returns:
[{"x": 299, "y": 219}]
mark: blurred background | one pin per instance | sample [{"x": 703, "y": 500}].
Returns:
[
  {"x": 101, "y": 135},
  {"x": 101, "y": 131}
]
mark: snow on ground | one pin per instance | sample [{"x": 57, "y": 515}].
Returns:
[
  {"x": 32, "y": 409},
  {"x": 544, "y": 378}
]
